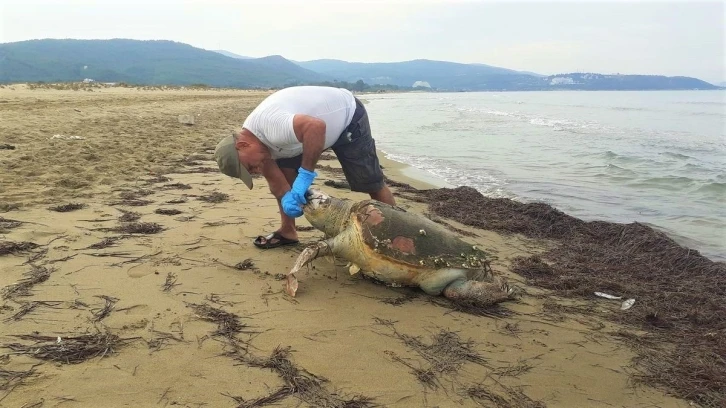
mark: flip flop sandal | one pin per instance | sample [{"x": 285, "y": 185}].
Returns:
[{"x": 274, "y": 236}]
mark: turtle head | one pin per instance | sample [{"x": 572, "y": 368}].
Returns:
[
  {"x": 324, "y": 212},
  {"x": 316, "y": 200}
]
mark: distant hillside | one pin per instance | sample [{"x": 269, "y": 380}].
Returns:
[
  {"x": 142, "y": 62},
  {"x": 439, "y": 74},
  {"x": 450, "y": 76},
  {"x": 232, "y": 55},
  {"x": 173, "y": 63},
  {"x": 590, "y": 81}
]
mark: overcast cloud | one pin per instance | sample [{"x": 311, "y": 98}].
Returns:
[{"x": 644, "y": 37}]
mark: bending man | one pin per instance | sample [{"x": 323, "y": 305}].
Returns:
[{"x": 283, "y": 138}]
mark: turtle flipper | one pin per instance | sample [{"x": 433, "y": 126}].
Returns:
[
  {"x": 482, "y": 293},
  {"x": 321, "y": 248},
  {"x": 336, "y": 245}
]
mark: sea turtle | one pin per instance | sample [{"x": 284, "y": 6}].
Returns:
[{"x": 399, "y": 248}]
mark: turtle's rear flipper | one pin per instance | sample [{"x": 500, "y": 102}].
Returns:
[{"x": 482, "y": 293}]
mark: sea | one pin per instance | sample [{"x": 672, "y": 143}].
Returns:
[{"x": 653, "y": 157}]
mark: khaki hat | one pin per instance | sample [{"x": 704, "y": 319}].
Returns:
[{"x": 228, "y": 160}]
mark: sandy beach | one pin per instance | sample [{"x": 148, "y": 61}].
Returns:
[{"x": 134, "y": 282}]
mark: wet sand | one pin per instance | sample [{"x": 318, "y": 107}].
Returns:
[{"x": 162, "y": 290}]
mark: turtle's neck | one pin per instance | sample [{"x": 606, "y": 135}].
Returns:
[{"x": 335, "y": 218}]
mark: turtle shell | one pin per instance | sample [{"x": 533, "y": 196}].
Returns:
[{"x": 410, "y": 238}]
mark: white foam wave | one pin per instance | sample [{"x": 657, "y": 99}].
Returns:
[
  {"x": 557, "y": 124},
  {"x": 456, "y": 175}
]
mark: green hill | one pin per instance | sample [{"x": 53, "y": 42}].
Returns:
[
  {"x": 142, "y": 62},
  {"x": 439, "y": 74},
  {"x": 173, "y": 63}
]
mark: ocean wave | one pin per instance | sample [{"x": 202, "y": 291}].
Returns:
[
  {"x": 716, "y": 189},
  {"x": 673, "y": 183},
  {"x": 612, "y": 168},
  {"x": 677, "y": 155},
  {"x": 609, "y": 154},
  {"x": 629, "y": 108},
  {"x": 714, "y": 103},
  {"x": 714, "y": 114},
  {"x": 556, "y": 124}
]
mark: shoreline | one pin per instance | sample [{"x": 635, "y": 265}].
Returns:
[{"x": 405, "y": 173}]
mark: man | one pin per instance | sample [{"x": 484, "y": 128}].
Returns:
[{"x": 282, "y": 139}]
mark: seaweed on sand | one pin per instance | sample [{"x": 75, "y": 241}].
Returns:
[
  {"x": 245, "y": 265},
  {"x": 332, "y": 170},
  {"x": 515, "y": 397},
  {"x": 102, "y": 313},
  {"x": 170, "y": 282},
  {"x": 36, "y": 275},
  {"x": 176, "y": 186},
  {"x": 167, "y": 211},
  {"x": 68, "y": 207},
  {"x": 104, "y": 243},
  {"x": 337, "y": 184},
  {"x": 679, "y": 292},
  {"x": 12, "y": 247},
  {"x": 472, "y": 307},
  {"x": 10, "y": 379},
  {"x": 214, "y": 197},
  {"x": 139, "y": 228},
  {"x": 28, "y": 307},
  {"x": 158, "y": 179},
  {"x": 7, "y": 224},
  {"x": 300, "y": 383},
  {"x": 177, "y": 201},
  {"x": 228, "y": 324},
  {"x": 68, "y": 350},
  {"x": 129, "y": 216},
  {"x": 446, "y": 353},
  {"x": 132, "y": 202}
]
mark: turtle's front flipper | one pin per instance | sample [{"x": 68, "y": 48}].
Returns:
[
  {"x": 321, "y": 248},
  {"x": 481, "y": 293}
]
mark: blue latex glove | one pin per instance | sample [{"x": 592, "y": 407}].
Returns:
[
  {"x": 294, "y": 199},
  {"x": 302, "y": 183},
  {"x": 290, "y": 205}
]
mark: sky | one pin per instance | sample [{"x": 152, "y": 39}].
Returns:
[{"x": 676, "y": 37}]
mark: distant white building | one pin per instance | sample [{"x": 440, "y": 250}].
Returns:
[
  {"x": 562, "y": 81},
  {"x": 88, "y": 80},
  {"x": 423, "y": 84}
]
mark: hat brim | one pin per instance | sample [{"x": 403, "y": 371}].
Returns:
[
  {"x": 228, "y": 160},
  {"x": 245, "y": 176}
]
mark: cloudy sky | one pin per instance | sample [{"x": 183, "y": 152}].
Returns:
[{"x": 646, "y": 37}]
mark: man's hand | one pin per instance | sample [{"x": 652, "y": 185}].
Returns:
[
  {"x": 290, "y": 205},
  {"x": 302, "y": 183},
  {"x": 294, "y": 199}
]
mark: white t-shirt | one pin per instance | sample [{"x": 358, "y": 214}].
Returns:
[{"x": 271, "y": 121}]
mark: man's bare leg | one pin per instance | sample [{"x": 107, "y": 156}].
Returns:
[
  {"x": 287, "y": 224},
  {"x": 384, "y": 195}
]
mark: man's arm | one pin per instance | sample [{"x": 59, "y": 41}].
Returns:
[
  {"x": 310, "y": 132},
  {"x": 275, "y": 179}
]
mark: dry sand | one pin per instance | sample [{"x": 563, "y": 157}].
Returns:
[{"x": 358, "y": 335}]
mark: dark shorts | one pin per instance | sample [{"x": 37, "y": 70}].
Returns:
[{"x": 357, "y": 156}]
